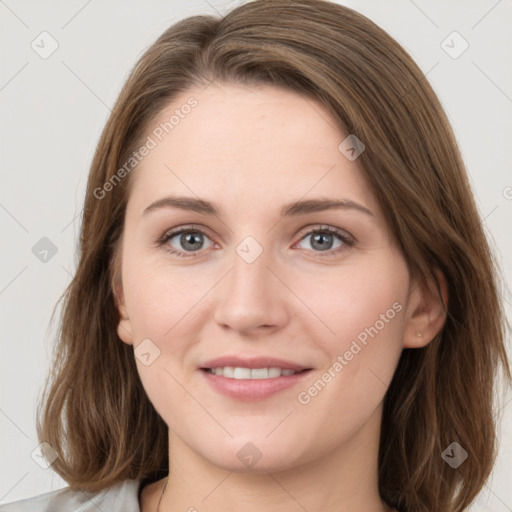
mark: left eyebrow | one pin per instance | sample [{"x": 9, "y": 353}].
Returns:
[
  {"x": 318, "y": 205},
  {"x": 291, "y": 209}
]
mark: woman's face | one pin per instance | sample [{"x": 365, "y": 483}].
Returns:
[{"x": 260, "y": 284}]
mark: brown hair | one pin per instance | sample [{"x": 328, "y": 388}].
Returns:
[{"x": 96, "y": 414}]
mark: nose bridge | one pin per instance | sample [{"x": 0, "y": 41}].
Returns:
[
  {"x": 250, "y": 268},
  {"x": 250, "y": 296}
]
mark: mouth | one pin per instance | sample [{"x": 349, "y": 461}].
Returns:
[
  {"x": 252, "y": 379},
  {"x": 242, "y": 373}
]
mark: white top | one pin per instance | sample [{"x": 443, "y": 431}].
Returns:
[{"x": 121, "y": 497}]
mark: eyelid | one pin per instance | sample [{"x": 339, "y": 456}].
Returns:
[
  {"x": 178, "y": 230},
  {"x": 171, "y": 233},
  {"x": 314, "y": 228},
  {"x": 343, "y": 235}
]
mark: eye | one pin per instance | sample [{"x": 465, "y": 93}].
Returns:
[
  {"x": 322, "y": 240},
  {"x": 191, "y": 240},
  {"x": 185, "y": 240}
]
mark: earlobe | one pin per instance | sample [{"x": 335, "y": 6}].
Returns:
[
  {"x": 124, "y": 331},
  {"x": 427, "y": 310},
  {"x": 124, "y": 328}
]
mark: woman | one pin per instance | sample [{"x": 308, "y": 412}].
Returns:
[{"x": 275, "y": 303}]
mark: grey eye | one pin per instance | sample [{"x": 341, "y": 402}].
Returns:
[
  {"x": 190, "y": 241},
  {"x": 323, "y": 241}
]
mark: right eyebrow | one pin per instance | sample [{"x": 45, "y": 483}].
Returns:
[{"x": 184, "y": 203}]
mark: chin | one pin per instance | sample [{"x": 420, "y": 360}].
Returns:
[{"x": 255, "y": 454}]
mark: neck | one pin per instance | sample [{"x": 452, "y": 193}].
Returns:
[{"x": 341, "y": 479}]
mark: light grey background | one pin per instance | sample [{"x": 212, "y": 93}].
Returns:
[{"x": 52, "y": 113}]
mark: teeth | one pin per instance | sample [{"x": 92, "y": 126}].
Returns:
[
  {"x": 258, "y": 373},
  {"x": 274, "y": 372},
  {"x": 242, "y": 373},
  {"x": 250, "y": 373},
  {"x": 227, "y": 371}
]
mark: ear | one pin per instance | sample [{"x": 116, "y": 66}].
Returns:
[
  {"x": 426, "y": 311},
  {"x": 124, "y": 327}
]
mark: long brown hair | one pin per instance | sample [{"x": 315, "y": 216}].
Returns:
[{"x": 95, "y": 412}]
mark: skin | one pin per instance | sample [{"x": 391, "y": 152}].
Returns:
[{"x": 252, "y": 150}]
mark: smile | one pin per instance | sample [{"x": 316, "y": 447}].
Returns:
[
  {"x": 249, "y": 384},
  {"x": 242, "y": 373}
]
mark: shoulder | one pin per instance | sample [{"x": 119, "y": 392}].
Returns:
[{"x": 121, "y": 497}]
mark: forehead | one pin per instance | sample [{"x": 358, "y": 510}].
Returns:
[{"x": 258, "y": 143}]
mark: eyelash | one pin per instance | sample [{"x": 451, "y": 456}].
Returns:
[{"x": 344, "y": 237}]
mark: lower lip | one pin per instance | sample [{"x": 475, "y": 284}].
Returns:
[{"x": 252, "y": 389}]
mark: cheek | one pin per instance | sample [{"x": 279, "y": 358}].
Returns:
[
  {"x": 167, "y": 306},
  {"x": 365, "y": 309},
  {"x": 362, "y": 310},
  {"x": 359, "y": 302},
  {"x": 160, "y": 303},
  {"x": 159, "y": 296}
]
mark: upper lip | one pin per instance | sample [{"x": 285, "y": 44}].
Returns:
[{"x": 252, "y": 362}]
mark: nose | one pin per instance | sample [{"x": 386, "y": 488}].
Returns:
[{"x": 253, "y": 297}]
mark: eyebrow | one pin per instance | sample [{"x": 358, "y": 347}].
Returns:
[{"x": 292, "y": 209}]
